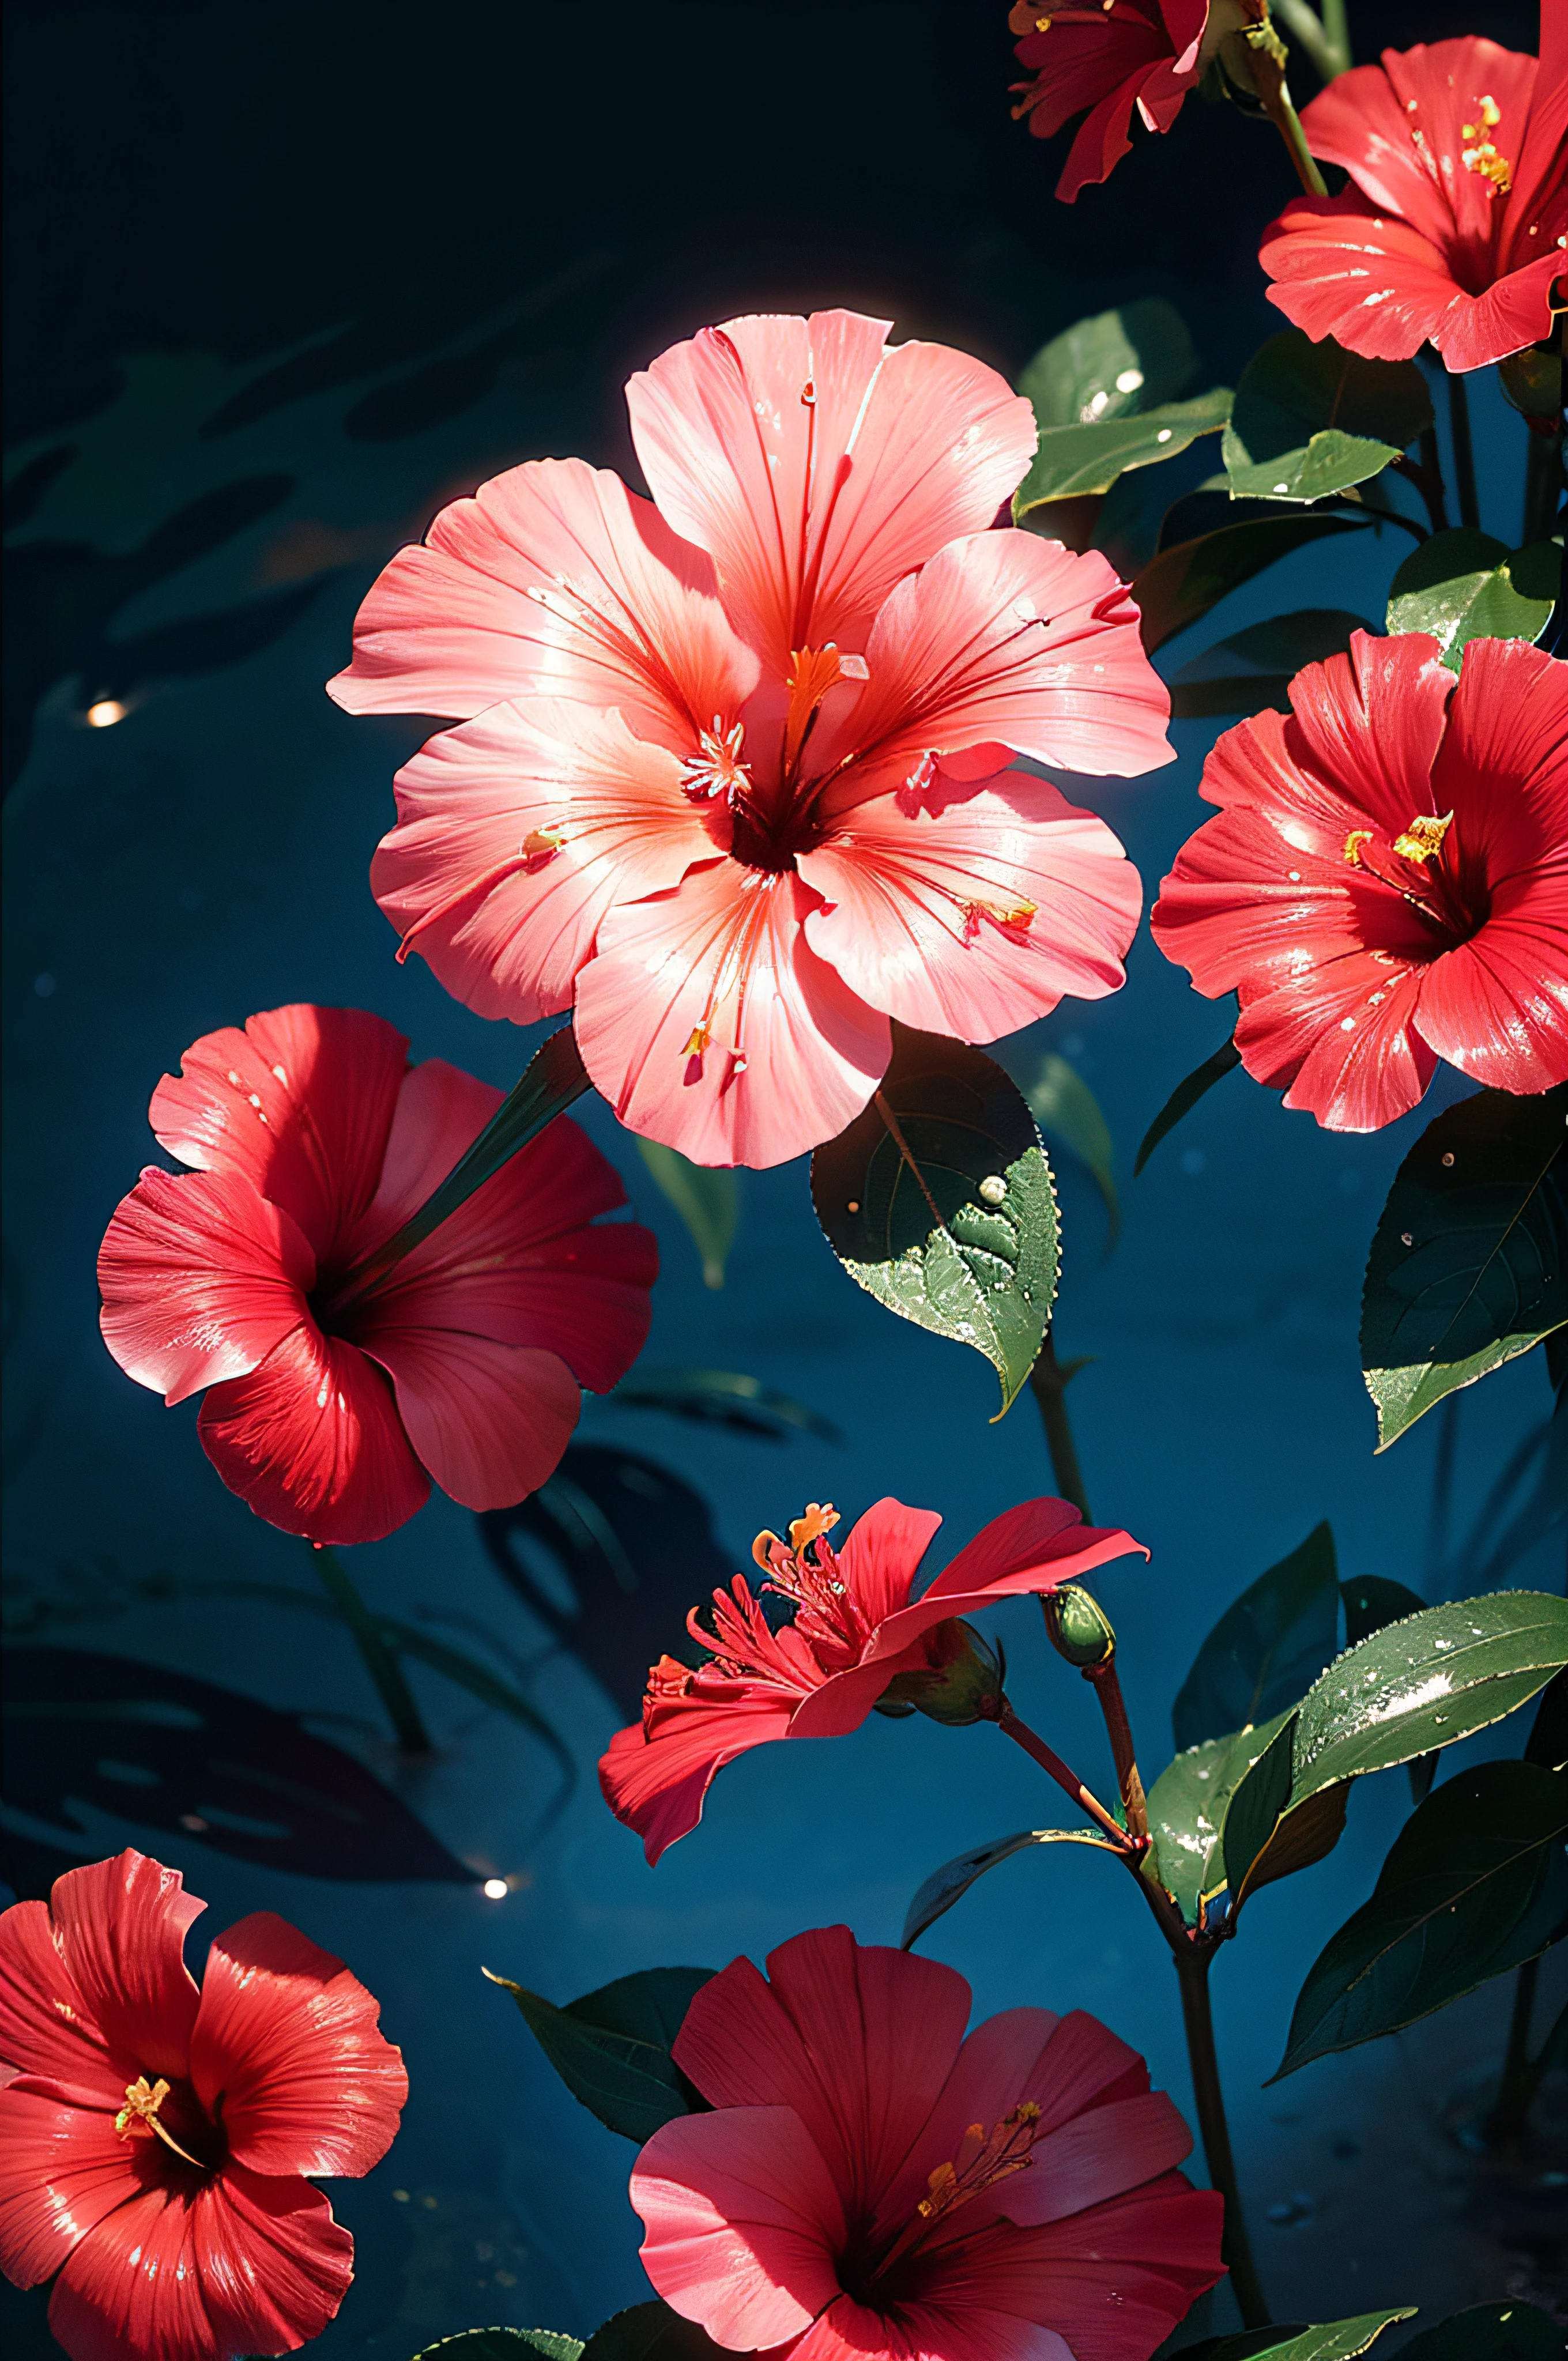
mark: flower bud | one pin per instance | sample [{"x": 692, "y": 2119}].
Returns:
[
  {"x": 1532, "y": 380},
  {"x": 1079, "y": 1627},
  {"x": 961, "y": 1683}
]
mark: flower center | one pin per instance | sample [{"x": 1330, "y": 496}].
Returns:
[
  {"x": 1419, "y": 866},
  {"x": 1481, "y": 156},
  {"x": 984, "y": 2159},
  {"x": 139, "y": 2118}
]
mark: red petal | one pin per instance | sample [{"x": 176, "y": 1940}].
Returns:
[
  {"x": 120, "y": 1925},
  {"x": 1342, "y": 1035},
  {"x": 1031, "y": 1549},
  {"x": 62, "y": 2168},
  {"x": 286, "y": 2053},
  {"x": 491, "y": 1421},
  {"x": 1379, "y": 287},
  {"x": 312, "y": 1442},
  {"x": 882, "y": 1555},
  {"x": 202, "y": 1279},
  {"x": 45, "y": 2027}
]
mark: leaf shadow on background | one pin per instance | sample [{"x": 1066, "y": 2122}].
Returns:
[
  {"x": 1266, "y": 1649},
  {"x": 193, "y": 1760}
]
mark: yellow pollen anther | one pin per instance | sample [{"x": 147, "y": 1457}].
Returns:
[
  {"x": 542, "y": 840},
  {"x": 1422, "y": 840},
  {"x": 1353, "y": 844},
  {"x": 1483, "y": 156},
  {"x": 820, "y": 1518},
  {"x": 139, "y": 2116},
  {"x": 701, "y": 1035}
]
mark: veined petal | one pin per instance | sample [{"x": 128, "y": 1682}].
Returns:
[
  {"x": 881, "y": 1555},
  {"x": 553, "y": 581},
  {"x": 726, "y": 958},
  {"x": 62, "y": 2168},
  {"x": 1399, "y": 129},
  {"x": 516, "y": 834},
  {"x": 1338, "y": 268},
  {"x": 299, "y": 1103},
  {"x": 1516, "y": 310},
  {"x": 286, "y": 2053},
  {"x": 491, "y": 1421},
  {"x": 657, "y": 1783},
  {"x": 45, "y": 2028},
  {"x": 973, "y": 915},
  {"x": 1342, "y": 1035},
  {"x": 120, "y": 1929},
  {"x": 311, "y": 1440},
  {"x": 1030, "y": 1550},
  {"x": 201, "y": 1277}
]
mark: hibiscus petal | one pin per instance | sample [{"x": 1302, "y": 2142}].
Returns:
[
  {"x": 44, "y": 2026},
  {"x": 120, "y": 1925},
  {"x": 491, "y": 1421},
  {"x": 813, "y": 1051},
  {"x": 1110, "y": 2279},
  {"x": 1002, "y": 638},
  {"x": 311, "y": 1440},
  {"x": 974, "y": 919},
  {"x": 469, "y": 876},
  {"x": 1516, "y": 310},
  {"x": 1031, "y": 1549},
  {"x": 62, "y": 2168},
  {"x": 201, "y": 1277},
  {"x": 1338, "y": 268},
  {"x": 742, "y": 2222},
  {"x": 286, "y": 2053},
  {"x": 882, "y": 1555},
  {"x": 657, "y": 1784},
  {"x": 1342, "y": 1034},
  {"x": 299, "y": 1103},
  {"x": 554, "y": 581},
  {"x": 1096, "y": 2156},
  {"x": 1399, "y": 129},
  {"x": 849, "y": 2332}
]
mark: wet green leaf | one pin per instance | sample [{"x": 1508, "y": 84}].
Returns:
[
  {"x": 1476, "y": 1881},
  {"x": 611, "y": 2048},
  {"x": 1508, "y": 2331},
  {"x": 1261, "y": 1838},
  {"x": 1334, "y": 2339},
  {"x": 504, "y": 2345},
  {"x": 723, "y": 1398},
  {"x": 707, "y": 1200},
  {"x": 1187, "y": 1807},
  {"x": 1311, "y": 419},
  {"x": 1462, "y": 585},
  {"x": 1066, "y": 1108},
  {"x": 1073, "y": 460},
  {"x": 1185, "y": 1097},
  {"x": 952, "y": 1880},
  {"x": 1469, "y": 1262},
  {"x": 1421, "y": 1684},
  {"x": 650, "y": 2332},
  {"x": 1184, "y": 581},
  {"x": 938, "y": 1201},
  {"x": 1110, "y": 365},
  {"x": 1268, "y": 1647},
  {"x": 1254, "y": 668}
]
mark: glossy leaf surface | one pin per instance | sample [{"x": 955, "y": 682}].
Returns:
[
  {"x": 1181, "y": 583},
  {"x": 1332, "y": 2340},
  {"x": 952, "y": 1880},
  {"x": 1416, "y": 1686},
  {"x": 1469, "y": 1261},
  {"x": 650, "y": 2331},
  {"x": 1371, "y": 1601},
  {"x": 1266, "y": 1649},
  {"x": 707, "y": 1200},
  {"x": 1311, "y": 419},
  {"x": 1463, "y": 584},
  {"x": 938, "y": 1201},
  {"x": 1255, "y": 667},
  {"x": 1185, "y": 1097},
  {"x": 1490, "y": 2331},
  {"x": 503, "y": 2344},
  {"x": 1186, "y": 1808},
  {"x": 1072, "y": 460},
  {"x": 611, "y": 2048},
  {"x": 1066, "y": 1109},
  {"x": 1476, "y": 1883},
  {"x": 1110, "y": 365}
]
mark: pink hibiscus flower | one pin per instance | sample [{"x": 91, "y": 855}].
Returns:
[
  {"x": 732, "y": 773},
  {"x": 1388, "y": 883},
  {"x": 871, "y": 2183},
  {"x": 330, "y": 1406},
  {"x": 1454, "y": 228},
  {"x": 854, "y": 1632},
  {"x": 1107, "y": 56},
  {"x": 154, "y": 2138}
]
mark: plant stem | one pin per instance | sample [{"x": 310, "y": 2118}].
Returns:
[
  {"x": 1542, "y": 486},
  {"x": 1049, "y": 1388},
  {"x": 1463, "y": 450},
  {"x": 1107, "y": 1685},
  {"x": 1066, "y": 1779},
  {"x": 1336, "y": 30},
  {"x": 1193, "y": 1964},
  {"x": 1426, "y": 474},
  {"x": 1267, "y": 56},
  {"x": 1307, "y": 28},
  {"x": 1516, "y": 2085},
  {"x": 379, "y": 1659}
]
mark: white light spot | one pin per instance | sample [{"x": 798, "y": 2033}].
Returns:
[
  {"x": 992, "y": 1189},
  {"x": 1165, "y": 434},
  {"x": 1097, "y": 404},
  {"x": 105, "y": 713},
  {"x": 1347, "y": 1025},
  {"x": 1294, "y": 876},
  {"x": 322, "y": 1397},
  {"x": 1129, "y": 380},
  {"x": 1282, "y": 487},
  {"x": 282, "y": 1077},
  {"x": 254, "y": 1099},
  {"x": 494, "y": 1889}
]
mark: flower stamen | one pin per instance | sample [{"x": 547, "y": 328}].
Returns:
[
  {"x": 138, "y": 2117},
  {"x": 1482, "y": 155},
  {"x": 716, "y": 769}
]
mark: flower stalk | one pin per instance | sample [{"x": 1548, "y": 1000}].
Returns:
[
  {"x": 1066, "y": 1779},
  {"x": 1192, "y": 1964},
  {"x": 1267, "y": 55},
  {"x": 1048, "y": 1385},
  {"x": 1106, "y": 1684}
]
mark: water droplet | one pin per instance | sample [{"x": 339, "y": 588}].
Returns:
[
  {"x": 1448, "y": 1155},
  {"x": 993, "y": 1189},
  {"x": 1406, "y": 1239}
]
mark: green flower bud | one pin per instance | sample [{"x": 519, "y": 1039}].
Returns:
[
  {"x": 1079, "y": 1627},
  {"x": 963, "y": 1684}
]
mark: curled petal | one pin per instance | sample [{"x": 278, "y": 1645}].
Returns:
[
  {"x": 657, "y": 1783},
  {"x": 120, "y": 1929},
  {"x": 491, "y": 1421}
]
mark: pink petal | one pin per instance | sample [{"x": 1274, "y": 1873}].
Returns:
[
  {"x": 120, "y": 1929},
  {"x": 1031, "y": 1549},
  {"x": 237, "y": 2264},
  {"x": 1096, "y": 2156},
  {"x": 491, "y": 1421},
  {"x": 1113, "y": 2280},
  {"x": 311, "y": 1440},
  {"x": 813, "y": 1051},
  {"x": 201, "y": 1277},
  {"x": 657, "y": 1784},
  {"x": 974, "y": 919},
  {"x": 849, "y": 2332},
  {"x": 286, "y": 2054},
  {"x": 818, "y": 469},
  {"x": 298, "y": 1103},
  {"x": 998, "y": 2067},
  {"x": 845, "y": 1699},
  {"x": 45, "y": 2027},
  {"x": 504, "y": 927},
  {"x": 1538, "y": 177},
  {"x": 62, "y": 2168},
  {"x": 742, "y": 2222},
  {"x": 553, "y": 581}
]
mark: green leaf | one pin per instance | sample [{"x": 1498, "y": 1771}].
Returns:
[
  {"x": 952, "y": 1880},
  {"x": 1063, "y": 1104},
  {"x": 650, "y": 2331},
  {"x": 1462, "y": 585},
  {"x": 1187, "y": 1807},
  {"x": 1180, "y": 583},
  {"x": 1469, "y": 1261},
  {"x": 1476, "y": 1881},
  {"x": 1268, "y": 1647},
  {"x": 1185, "y": 1097},
  {"x": 938, "y": 1201},
  {"x": 1261, "y": 1838},
  {"x": 1336, "y": 2340},
  {"x": 706, "y": 1199},
  {"x": 1072, "y": 460},
  {"x": 504, "y": 2345},
  {"x": 1311, "y": 419},
  {"x": 1416, "y": 1686},
  {"x": 1255, "y": 667},
  {"x": 722, "y": 1398},
  {"x": 1490, "y": 2331},
  {"x": 611, "y": 2048},
  {"x": 1371, "y": 1601},
  {"x": 1110, "y": 365}
]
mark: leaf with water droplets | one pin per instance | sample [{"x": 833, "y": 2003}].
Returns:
[
  {"x": 504, "y": 2345},
  {"x": 1462, "y": 586},
  {"x": 1330, "y": 2340},
  {"x": 1311, "y": 419},
  {"x": 1186, "y": 1808}
]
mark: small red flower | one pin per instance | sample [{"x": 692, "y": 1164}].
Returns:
[
  {"x": 1107, "y": 56},
  {"x": 154, "y": 2138},
  {"x": 869, "y": 2183},
  {"x": 330, "y": 1407},
  {"x": 1388, "y": 883},
  {"x": 854, "y": 1630},
  {"x": 1454, "y": 230}
]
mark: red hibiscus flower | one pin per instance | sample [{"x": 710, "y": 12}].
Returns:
[
  {"x": 871, "y": 2183},
  {"x": 1107, "y": 56},
  {"x": 1388, "y": 883},
  {"x": 733, "y": 770},
  {"x": 154, "y": 2138},
  {"x": 853, "y": 1632},
  {"x": 331, "y": 1406},
  {"x": 1454, "y": 230}
]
